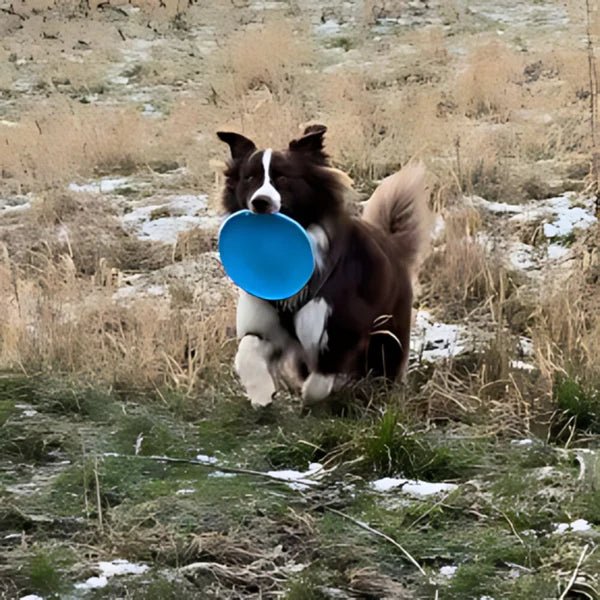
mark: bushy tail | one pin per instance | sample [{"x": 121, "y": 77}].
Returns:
[{"x": 399, "y": 207}]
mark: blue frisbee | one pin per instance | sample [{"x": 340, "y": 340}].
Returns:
[{"x": 268, "y": 256}]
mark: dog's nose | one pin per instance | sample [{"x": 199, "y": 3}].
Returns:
[{"x": 261, "y": 204}]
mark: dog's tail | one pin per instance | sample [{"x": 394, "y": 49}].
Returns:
[{"x": 399, "y": 207}]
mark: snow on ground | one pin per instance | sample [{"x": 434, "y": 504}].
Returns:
[
  {"x": 110, "y": 569},
  {"x": 106, "y": 185},
  {"x": 298, "y": 480},
  {"x": 576, "y": 526},
  {"x": 448, "y": 571},
  {"x": 558, "y": 219},
  {"x": 412, "y": 487},
  {"x": 205, "y": 459},
  {"x": 434, "y": 341},
  {"x": 163, "y": 222}
]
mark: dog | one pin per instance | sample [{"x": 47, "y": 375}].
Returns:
[{"x": 353, "y": 318}]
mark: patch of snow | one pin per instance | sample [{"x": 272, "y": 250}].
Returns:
[
  {"x": 434, "y": 341},
  {"x": 412, "y": 487},
  {"x": 329, "y": 27},
  {"x": 6, "y": 210},
  {"x": 495, "y": 207},
  {"x": 119, "y": 80},
  {"x": 31, "y": 597},
  {"x": 523, "y": 442},
  {"x": 298, "y": 480},
  {"x": 207, "y": 460},
  {"x": 181, "y": 214},
  {"x": 567, "y": 217},
  {"x": 154, "y": 290},
  {"x": 221, "y": 474},
  {"x": 149, "y": 110},
  {"x": 522, "y": 365},
  {"x": 439, "y": 228},
  {"x": 92, "y": 583},
  {"x": 526, "y": 346},
  {"x": 522, "y": 256},
  {"x": 30, "y": 412},
  {"x": 561, "y": 214},
  {"x": 577, "y": 525},
  {"x": 107, "y": 185},
  {"x": 13, "y": 536},
  {"x": 185, "y": 492},
  {"x": 110, "y": 569},
  {"x": 580, "y": 525},
  {"x": 557, "y": 252},
  {"x": 448, "y": 570}
]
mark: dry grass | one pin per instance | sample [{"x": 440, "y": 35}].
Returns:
[
  {"x": 57, "y": 321},
  {"x": 62, "y": 223},
  {"x": 273, "y": 56},
  {"x": 567, "y": 321},
  {"x": 459, "y": 273},
  {"x": 61, "y": 140},
  {"x": 486, "y": 90}
]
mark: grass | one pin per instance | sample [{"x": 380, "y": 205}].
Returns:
[{"x": 146, "y": 517}]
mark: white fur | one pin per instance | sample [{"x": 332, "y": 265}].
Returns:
[
  {"x": 252, "y": 367},
  {"x": 310, "y": 323},
  {"x": 256, "y": 316},
  {"x": 317, "y": 387},
  {"x": 320, "y": 244},
  {"x": 267, "y": 189}
]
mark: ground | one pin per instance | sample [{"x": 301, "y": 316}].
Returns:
[{"x": 131, "y": 465}]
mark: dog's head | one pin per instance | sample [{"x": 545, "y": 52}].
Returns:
[{"x": 297, "y": 181}]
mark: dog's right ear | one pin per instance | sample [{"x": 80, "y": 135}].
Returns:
[{"x": 239, "y": 145}]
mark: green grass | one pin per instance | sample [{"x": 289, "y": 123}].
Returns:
[
  {"x": 580, "y": 402},
  {"x": 504, "y": 490}
]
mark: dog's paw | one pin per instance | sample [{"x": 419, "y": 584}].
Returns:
[
  {"x": 317, "y": 387},
  {"x": 253, "y": 370}
]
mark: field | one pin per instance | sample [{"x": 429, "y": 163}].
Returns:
[{"x": 132, "y": 466}]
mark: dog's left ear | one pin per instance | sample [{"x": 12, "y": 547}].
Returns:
[{"x": 311, "y": 143}]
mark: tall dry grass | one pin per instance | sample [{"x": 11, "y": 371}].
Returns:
[
  {"x": 56, "y": 321},
  {"x": 567, "y": 319},
  {"x": 62, "y": 140}
]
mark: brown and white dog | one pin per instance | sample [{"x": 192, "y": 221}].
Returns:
[{"x": 353, "y": 318}]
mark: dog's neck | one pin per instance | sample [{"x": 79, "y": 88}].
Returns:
[{"x": 329, "y": 243}]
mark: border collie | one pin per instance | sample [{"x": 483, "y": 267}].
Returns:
[{"x": 353, "y": 318}]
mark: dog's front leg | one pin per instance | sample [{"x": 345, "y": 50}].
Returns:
[
  {"x": 252, "y": 364},
  {"x": 262, "y": 342}
]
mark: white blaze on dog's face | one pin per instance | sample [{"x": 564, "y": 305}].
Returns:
[
  {"x": 296, "y": 181},
  {"x": 265, "y": 199}
]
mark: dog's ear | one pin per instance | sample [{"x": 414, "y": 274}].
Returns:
[
  {"x": 311, "y": 143},
  {"x": 239, "y": 145}
]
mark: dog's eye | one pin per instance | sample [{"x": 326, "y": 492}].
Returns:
[
  {"x": 249, "y": 177},
  {"x": 281, "y": 179}
]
